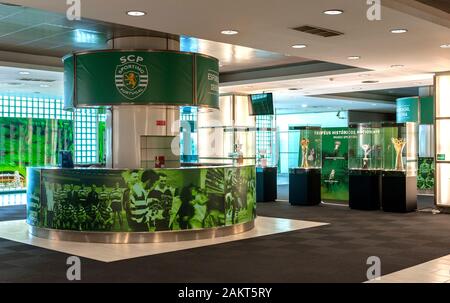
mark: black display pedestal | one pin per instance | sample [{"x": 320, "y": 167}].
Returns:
[
  {"x": 364, "y": 189},
  {"x": 304, "y": 186},
  {"x": 266, "y": 184},
  {"x": 399, "y": 192}
]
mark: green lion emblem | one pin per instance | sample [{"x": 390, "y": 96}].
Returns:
[{"x": 131, "y": 79}]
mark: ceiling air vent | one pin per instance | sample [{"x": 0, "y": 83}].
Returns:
[
  {"x": 36, "y": 80},
  {"x": 318, "y": 31}
]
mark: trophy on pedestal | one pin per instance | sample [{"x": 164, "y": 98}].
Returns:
[
  {"x": 304, "y": 143},
  {"x": 399, "y": 145},
  {"x": 367, "y": 149},
  {"x": 337, "y": 144}
]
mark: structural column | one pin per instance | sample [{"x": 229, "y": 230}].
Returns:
[
  {"x": 442, "y": 143},
  {"x": 139, "y": 134}
]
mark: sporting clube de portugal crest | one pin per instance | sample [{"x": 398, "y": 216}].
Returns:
[{"x": 131, "y": 77}]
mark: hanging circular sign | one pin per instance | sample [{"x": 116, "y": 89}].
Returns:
[{"x": 118, "y": 77}]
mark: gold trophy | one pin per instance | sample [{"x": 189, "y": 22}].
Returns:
[
  {"x": 367, "y": 149},
  {"x": 399, "y": 145},
  {"x": 304, "y": 143}
]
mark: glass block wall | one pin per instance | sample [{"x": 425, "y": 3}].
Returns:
[
  {"x": 265, "y": 138},
  {"x": 87, "y": 135},
  {"x": 87, "y": 132},
  {"x": 86, "y": 121},
  {"x": 32, "y": 107}
]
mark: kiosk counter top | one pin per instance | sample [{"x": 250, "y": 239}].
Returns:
[{"x": 142, "y": 201}]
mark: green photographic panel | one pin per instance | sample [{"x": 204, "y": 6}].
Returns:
[
  {"x": 335, "y": 145},
  {"x": 140, "y": 200},
  {"x": 426, "y": 174},
  {"x": 31, "y": 142},
  {"x": 240, "y": 194}
]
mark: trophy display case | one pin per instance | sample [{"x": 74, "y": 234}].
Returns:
[
  {"x": 364, "y": 166},
  {"x": 241, "y": 149},
  {"x": 228, "y": 135},
  {"x": 305, "y": 178},
  {"x": 266, "y": 165},
  {"x": 399, "y": 167}
]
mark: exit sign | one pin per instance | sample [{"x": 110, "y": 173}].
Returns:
[{"x": 440, "y": 157}]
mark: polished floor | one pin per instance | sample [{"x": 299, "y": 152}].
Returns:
[
  {"x": 18, "y": 231},
  {"x": 336, "y": 252},
  {"x": 434, "y": 271}
]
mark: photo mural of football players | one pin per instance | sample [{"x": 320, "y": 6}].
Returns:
[
  {"x": 185, "y": 211},
  {"x": 50, "y": 201},
  {"x": 103, "y": 196},
  {"x": 82, "y": 196},
  {"x": 199, "y": 204},
  {"x": 104, "y": 211},
  {"x": 136, "y": 207},
  {"x": 58, "y": 197},
  {"x": 239, "y": 195},
  {"x": 231, "y": 195},
  {"x": 159, "y": 200},
  {"x": 117, "y": 205}
]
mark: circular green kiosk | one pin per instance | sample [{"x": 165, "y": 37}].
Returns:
[{"x": 144, "y": 194}]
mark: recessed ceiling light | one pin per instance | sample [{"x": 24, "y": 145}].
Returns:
[
  {"x": 298, "y": 46},
  {"x": 136, "y": 13},
  {"x": 333, "y": 12},
  {"x": 353, "y": 57},
  {"x": 399, "y": 30},
  {"x": 445, "y": 46},
  {"x": 44, "y": 85},
  {"x": 304, "y": 105},
  {"x": 229, "y": 32},
  {"x": 370, "y": 81},
  {"x": 24, "y": 73},
  {"x": 397, "y": 65},
  {"x": 294, "y": 88}
]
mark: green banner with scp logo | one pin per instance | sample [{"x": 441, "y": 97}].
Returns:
[{"x": 105, "y": 78}]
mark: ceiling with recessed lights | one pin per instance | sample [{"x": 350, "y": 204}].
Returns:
[
  {"x": 30, "y": 82},
  {"x": 51, "y": 35},
  {"x": 269, "y": 24},
  {"x": 290, "y": 102},
  {"x": 405, "y": 59}
]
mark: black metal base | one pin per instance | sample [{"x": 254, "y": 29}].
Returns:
[
  {"x": 399, "y": 192},
  {"x": 364, "y": 189},
  {"x": 266, "y": 184},
  {"x": 304, "y": 186}
]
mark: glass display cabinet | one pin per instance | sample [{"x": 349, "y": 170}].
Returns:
[
  {"x": 305, "y": 177},
  {"x": 241, "y": 147},
  {"x": 266, "y": 164},
  {"x": 399, "y": 165},
  {"x": 364, "y": 166},
  {"x": 227, "y": 136},
  {"x": 442, "y": 142}
]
